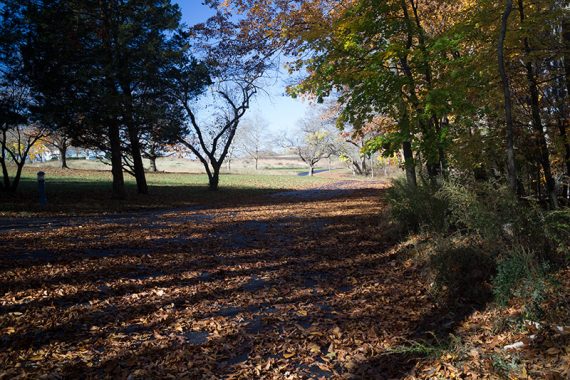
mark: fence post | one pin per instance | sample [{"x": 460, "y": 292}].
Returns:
[{"x": 42, "y": 188}]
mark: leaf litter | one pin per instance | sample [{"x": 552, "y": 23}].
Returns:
[{"x": 284, "y": 287}]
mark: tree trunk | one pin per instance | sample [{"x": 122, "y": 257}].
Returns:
[
  {"x": 363, "y": 166},
  {"x": 566, "y": 37},
  {"x": 214, "y": 179},
  {"x": 63, "y": 156},
  {"x": 114, "y": 131},
  {"x": 256, "y": 159},
  {"x": 138, "y": 166},
  {"x": 540, "y": 139},
  {"x": 409, "y": 164},
  {"x": 5, "y": 185},
  {"x": 16, "y": 180},
  {"x": 152, "y": 160},
  {"x": 5, "y": 174},
  {"x": 562, "y": 124},
  {"x": 311, "y": 171},
  {"x": 510, "y": 149},
  {"x": 116, "y": 162},
  {"x": 440, "y": 147}
]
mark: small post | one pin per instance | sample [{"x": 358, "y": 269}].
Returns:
[{"x": 42, "y": 188}]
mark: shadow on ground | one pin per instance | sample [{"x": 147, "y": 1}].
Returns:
[{"x": 293, "y": 283}]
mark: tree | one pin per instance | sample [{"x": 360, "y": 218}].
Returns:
[
  {"x": 17, "y": 135},
  {"x": 101, "y": 63},
  {"x": 352, "y": 151},
  {"x": 235, "y": 61},
  {"x": 61, "y": 142},
  {"x": 313, "y": 142},
  {"x": 16, "y": 138},
  {"x": 251, "y": 138},
  {"x": 540, "y": 138},
  {"x": 511, "y": 165},
  {"x": 211, "y": 140},
  {"x": 72, "y": 70},
  {"x": 431, "y": 67}
]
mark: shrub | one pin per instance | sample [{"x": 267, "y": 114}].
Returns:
[
  {"x": 486, "y": 219},
  {"x": 463, "y": 272},
  {"x": 416, "y": 208},
  {"x": 521, "y": 275},
  {"x": 557, "y": 231},
  {"x": 478, "y": 208}
]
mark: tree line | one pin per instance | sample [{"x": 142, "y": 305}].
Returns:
[
  {"x": 460, "y": 87},
  {"x": 124, "y": 77}
]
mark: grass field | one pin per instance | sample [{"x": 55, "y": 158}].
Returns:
[
  {"x": 79, "y": 191},
  {"x": 266, "y": 165}
]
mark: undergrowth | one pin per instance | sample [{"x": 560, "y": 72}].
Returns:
[{"x": 484, "y": 241}]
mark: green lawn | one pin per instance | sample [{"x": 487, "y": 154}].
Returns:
[{"x": 89, "y": 191}]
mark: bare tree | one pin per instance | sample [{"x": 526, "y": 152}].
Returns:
[
  {"x": 16, "y": 137},
  {"x": 236, "y": 57},
  {"x": 351, "y": 152},
  {"x": 60, "y": 141},
  {"x": 314, "y": 142},
  {"x": 251, "y": 138},
  {"x": 16, "y": 141},
  {"x": 211, "y": 139}
]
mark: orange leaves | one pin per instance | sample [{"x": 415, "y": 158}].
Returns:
[{"x": 283, "y": 287}]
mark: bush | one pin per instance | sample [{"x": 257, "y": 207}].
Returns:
[
  {"x": 416, "y": 208},
  {"x": 487, "y": 220},
  {"x": 557, "y": 231},
  {"x": 463, "y": 272},
  {"x": 520, "y": 274},
  {"x": 478, "y": 208}
]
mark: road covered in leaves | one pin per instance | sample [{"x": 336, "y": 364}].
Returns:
[
  {"x": 280, "y": 285},
  {"x": 301, "y": 284}
]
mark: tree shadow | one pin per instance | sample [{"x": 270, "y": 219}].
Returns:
[
  {"x": 213, "y": 306},
  {"x": 433, "y": 332}
]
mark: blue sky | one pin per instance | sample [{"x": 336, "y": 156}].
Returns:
[{"x": 280, "y": 111}]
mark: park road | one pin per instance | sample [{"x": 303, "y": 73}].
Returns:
[{"x": 302, "y": 284}]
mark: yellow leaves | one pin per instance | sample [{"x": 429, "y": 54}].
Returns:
[
  {"x": 288, "y": 355},
  {"x": 350, "y": 45},
  {"x": 389, "y": 54},
  {"x": 37, "y": 358},
  {"x": 314, "y": 348}
]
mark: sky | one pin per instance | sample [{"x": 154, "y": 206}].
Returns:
[{"x": 280, "y": 111}]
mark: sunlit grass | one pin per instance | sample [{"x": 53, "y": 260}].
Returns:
[{"x": 89, "y": 191}]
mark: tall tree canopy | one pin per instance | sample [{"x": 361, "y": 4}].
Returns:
[
  {"x": 102, "y": 73},
  {"x": 431, "y": 67}
]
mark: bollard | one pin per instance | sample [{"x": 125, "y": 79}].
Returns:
[{"x": 42, "y": 188}]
